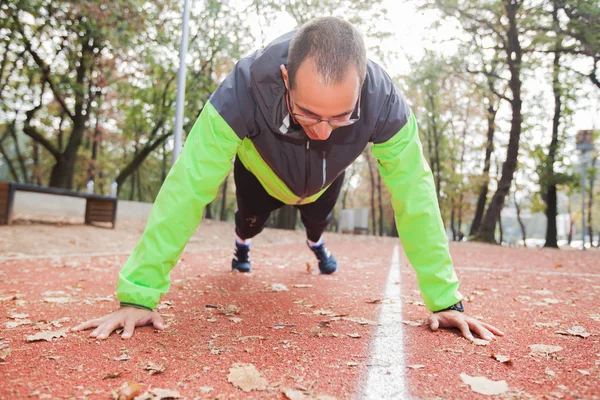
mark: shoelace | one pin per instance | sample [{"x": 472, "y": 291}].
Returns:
[
  {"x": 321, "y": 252},
  {"x": 241, "y": 253}
]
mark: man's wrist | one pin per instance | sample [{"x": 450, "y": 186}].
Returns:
[
  {"x": 141, "y": 307},
  {"x": 455, "y": 307}
]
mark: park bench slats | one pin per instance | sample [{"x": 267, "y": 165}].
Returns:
[{"x": 98, "y": 208}]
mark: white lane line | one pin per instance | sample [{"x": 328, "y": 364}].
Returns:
[{"x": 386, "y": 367}]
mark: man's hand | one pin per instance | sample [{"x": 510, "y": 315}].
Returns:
[
  {"x": 125, "y": 317},
  {"x": 466, "y": 324}
]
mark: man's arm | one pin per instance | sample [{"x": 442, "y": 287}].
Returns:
[
  {"x": 191, "y": 184},
  {"x": 418, "y": 220},
  {"x": 410, "y": 182}
]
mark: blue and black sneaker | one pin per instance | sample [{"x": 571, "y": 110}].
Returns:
[
  {"x": 241, "y": 258},
  {"x": 327, "y": 263}
]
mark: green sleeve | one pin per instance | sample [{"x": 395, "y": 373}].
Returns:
[
  {"x": 191, "y": 184},
  {"x": 410, "y": 182}
]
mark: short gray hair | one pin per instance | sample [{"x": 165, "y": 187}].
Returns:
[{"x": 333, "y": 44}]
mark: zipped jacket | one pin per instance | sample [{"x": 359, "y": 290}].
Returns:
[{"x": 247, "y": 116}]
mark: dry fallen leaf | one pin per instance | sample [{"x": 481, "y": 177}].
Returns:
[
  {"x": 154, "y": 368},
  {"x": 354, "y": 335},
  {"x": 412, "y": 323},
  {"x": 483, "y": 385},
  {"x": 63, "y": 299},
  {"x": 299, "y": 395},
  {"x": 18, "y": 322},
  {"x": 595, "y": 317},
  {"x": 543, "y": 292},
  {"x": 323, "y": 312},
  {"x": 127, "y": 391},
  {"x": 122, "y": 357},
  {"x": 374, "y": 301},
  {"x": 546, "y": 324},
  {"x": 361, "y": 321},
  {"x": 48, "y": 336},
  {"x": 583, "y": 371},
  {"x": 246, "y": 377},
  {"x": 243, "y": 339},
  {"x": 352, "y": 364},
  {"x": 302, "y": 285},
  {"x": 230, "y": 310},
  {"x": 4, "y": 353},
  {"x": 543, "y": 349},
  {"x": 159, "y": 394},
  {"x": 549, "y": 372},
  {"x": 112, "y": 375},
  {"x": 415, "y": 366},
  {"x": 279, "y": 287},
  {"x": 480, "y": 342},
  {"x": 211, "y": 319},
  {"x": 578, "y": 331},
  {"x": 501, "y": 358},
  {"x": 235, "y": 320},
  {"x": 17, "y": 316}
]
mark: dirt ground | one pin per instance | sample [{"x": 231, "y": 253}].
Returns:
[
  {"x": 311, "y": 340},
  {"x": 43, "y": 236}
]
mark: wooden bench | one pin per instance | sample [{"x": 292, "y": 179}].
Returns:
[{"x": 97, "y": 208}]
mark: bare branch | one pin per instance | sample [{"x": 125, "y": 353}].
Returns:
[{"x": 45, "y": 69}]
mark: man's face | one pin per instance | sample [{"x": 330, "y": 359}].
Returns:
[{"x": 312, "y": 98}]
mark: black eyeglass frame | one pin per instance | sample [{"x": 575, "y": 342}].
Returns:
[{"x": 334, "y": 123}]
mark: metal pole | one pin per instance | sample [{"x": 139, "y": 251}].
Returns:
[
  {"x": 583, "y": 179},
  {"x": 181, "y": 83}
]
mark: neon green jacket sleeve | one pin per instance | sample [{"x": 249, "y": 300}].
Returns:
[
  {"x": 191, "y": 184},
  {"x": 410, "y": 182}
]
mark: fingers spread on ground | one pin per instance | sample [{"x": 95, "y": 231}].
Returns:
[{"x": 128, "y": 330}]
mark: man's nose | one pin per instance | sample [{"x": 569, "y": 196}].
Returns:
[{"x": 322, "y": 130}]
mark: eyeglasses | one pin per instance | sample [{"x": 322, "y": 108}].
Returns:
[{"x": 310, "y": 121}]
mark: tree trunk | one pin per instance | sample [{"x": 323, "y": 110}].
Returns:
[
  {"x": 208, "y": 211},
  {"x": 591, "y": 202},
  {"x": 351, "y": 171},
  {"x": 139, "y": 158},
  {"x": 20, "y": 159},
  {"x": 163, "y": 171},
  {"x": 521, "y": 225},
  {"x": 500, "y": 228},
  {"x": 571, "y": 224},
  {"x": 436, "y": 148},
  {"x": 453, "y": 203},
  {"x": 548, "y": 179},
  {"x": 486, "y": 232},
  {"x": 36, "y": 164},
  {"x": 223, "y": 216},
  {"x": 460, "y": 208},
  {"x": 11, "y": 167},
  {"x": 95, "y": 144},
  {"x": 489, "y": 148},
  {"x": 139, "y": 185}
]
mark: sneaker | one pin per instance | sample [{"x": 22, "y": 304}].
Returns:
[
  {"x": 241, "y": 258},
  {"x": 327, "y": 263}
]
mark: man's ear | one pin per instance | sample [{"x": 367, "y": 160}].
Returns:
[{"x": 284, "y": 74}]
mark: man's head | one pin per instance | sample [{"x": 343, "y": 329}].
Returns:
[{"x": 325, "y": 70}]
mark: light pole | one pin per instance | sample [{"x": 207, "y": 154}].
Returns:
[
  {"x": 585, "y": 144},
  {"x": 181, "y": 83}
]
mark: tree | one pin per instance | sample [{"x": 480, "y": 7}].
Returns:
[
  {"x": 502, "y": 22},
  {"x": 71, "y": 70}
]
